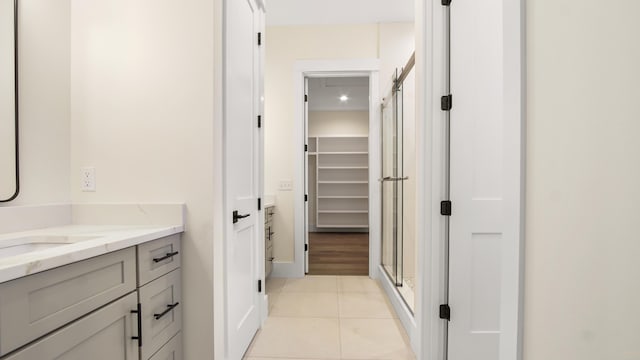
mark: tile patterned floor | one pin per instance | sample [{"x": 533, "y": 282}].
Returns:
[{"x": 329, "y": 317}]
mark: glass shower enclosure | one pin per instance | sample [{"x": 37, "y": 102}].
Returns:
[{"x": 398, "y": 184}]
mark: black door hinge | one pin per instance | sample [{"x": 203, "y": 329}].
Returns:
[
  {"x": 445, "y": 208},
  {"x": 259, "y": 285},
  {"x": 306, "y": 148},
  {"x": 446, "y": 102},
  {"x": 306, "y": 98},
  {"x": 259, "y": 204},
  {"x": 259, "y": 121},
  {"x": 306, "y": 247},
  {"x": 445, "y": 312},
  {"x": 259, "y": 38},
  {"x": 446, "y": 2},
  {"x": 306, "y": 197}
]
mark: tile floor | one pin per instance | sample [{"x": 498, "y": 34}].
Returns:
[{"x": 329, "y": 317}]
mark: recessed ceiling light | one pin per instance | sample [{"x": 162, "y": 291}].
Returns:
[{"x": 344, "y": 98}]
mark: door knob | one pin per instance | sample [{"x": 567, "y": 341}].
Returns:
[{"x": 237, "y": 216}]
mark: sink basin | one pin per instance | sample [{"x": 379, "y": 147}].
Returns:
[{"x": 24, "y": 245}]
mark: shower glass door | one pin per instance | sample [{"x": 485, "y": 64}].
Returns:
[
  {"x": 392, "y": 186},
  {"x": 399, "y": 241}
]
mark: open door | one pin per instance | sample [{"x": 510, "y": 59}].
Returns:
[{"x": 242, "y": 176}]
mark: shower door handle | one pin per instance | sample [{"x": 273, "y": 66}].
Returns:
[{"x": 390, "y": 178}]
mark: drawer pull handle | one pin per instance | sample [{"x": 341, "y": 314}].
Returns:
[
  {"x": 168, "y": 256},
  {"x": 162, "y": 314},
  {"x": 138, "y": 312}
]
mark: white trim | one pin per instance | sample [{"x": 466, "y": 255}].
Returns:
[
  {"x": 430, "y": 56},
  {"x": 334, "y": 68},
  {"x": 217, "y": 226},
  {"x": 430, "y": 65},
  {"x": 408, "y": 320},
  {"x": 514, "y": 100}
]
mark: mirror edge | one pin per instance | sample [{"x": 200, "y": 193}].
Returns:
[{"x": 17, "y": 116}]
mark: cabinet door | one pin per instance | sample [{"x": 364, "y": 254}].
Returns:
[
  {"x": 171, "y": 350},
  {"x": 36, "y": 305},
  {"x": 103, "y": 335},
  {"x": 161, "y": 312}
]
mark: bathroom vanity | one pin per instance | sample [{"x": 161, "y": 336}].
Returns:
[{"x": 91, "y": 292}]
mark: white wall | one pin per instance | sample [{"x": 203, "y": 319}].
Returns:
[
  {"x": 286, "y": 45},
  {"x": 583, "y": 174},
  {"x": 7, "y": 100},
  {"x": 44, "y": 42},
  {"x": 142, "y": 109},
  {"x": 331, "y": 123}
]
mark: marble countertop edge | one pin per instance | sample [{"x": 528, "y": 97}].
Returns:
[{"x": 107, "y": 239}]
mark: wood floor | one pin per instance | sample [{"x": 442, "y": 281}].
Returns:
[{"x": 338, "y": 254}]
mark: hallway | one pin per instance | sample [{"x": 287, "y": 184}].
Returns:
[{"x": 329, "y": 317}]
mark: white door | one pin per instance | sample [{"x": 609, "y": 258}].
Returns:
[
  {"x": 242, "y": 168},
  {"x": 478, "y": 148}
]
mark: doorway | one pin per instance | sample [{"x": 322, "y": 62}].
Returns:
[{"x": 337, "y": 181}]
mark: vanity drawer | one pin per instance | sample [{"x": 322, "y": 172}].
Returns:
[
  {"x": 103, "y": 335},
  {"x": 35, "y": 305},
  {"x": 161, "y": 312},
  {"x": 171, "y": 350},
  {"x": 157, "y": 258}
]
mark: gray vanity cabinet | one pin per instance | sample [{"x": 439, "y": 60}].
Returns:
[
  {"x": 35, "y": 305},
  {"x": 103, "y": 335},
  {"x": 124, "y": 305},
  {"x": 269, "y": 235}
]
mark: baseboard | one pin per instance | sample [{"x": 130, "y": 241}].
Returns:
[
  {"x": 285, "y": 269},
  {"x": 402, "y": 310}
]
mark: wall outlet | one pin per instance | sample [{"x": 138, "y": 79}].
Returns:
[
  {"x": 88, "y": 179},
  {"x": 285, "y": 185}
]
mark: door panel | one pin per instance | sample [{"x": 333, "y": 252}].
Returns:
[
  {"x": 476, "y": 225},
  {"x": 241, "y": 174}
]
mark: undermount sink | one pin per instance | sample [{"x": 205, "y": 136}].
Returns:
[{"x": 28, "y": 244}]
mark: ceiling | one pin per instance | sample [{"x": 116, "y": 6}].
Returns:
[
  {"x": 320, "y": 12},
  {"x": 325, "y": 93}
]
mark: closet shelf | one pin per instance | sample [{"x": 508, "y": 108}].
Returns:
[
  {"x": 343, "y": 211},
  {"x": 343, "y": 152},
  {"x": 343, "y": 167},
  {"x": 343, "y": 226},
  {"x": 343, "y": 182},
  {"x": 343, "y": 197},
  {"x": 340, "y": 181}
]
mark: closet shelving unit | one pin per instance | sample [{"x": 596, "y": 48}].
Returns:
[{"x": 342, "y": 181}]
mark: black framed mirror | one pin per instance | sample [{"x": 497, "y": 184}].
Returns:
[{"x": 9, "y": 151}]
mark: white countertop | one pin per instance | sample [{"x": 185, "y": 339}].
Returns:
[{"x": 107, "y": 239}]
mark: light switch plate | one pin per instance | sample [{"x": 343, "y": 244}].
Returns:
[{"x": 286, "y": 185}]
